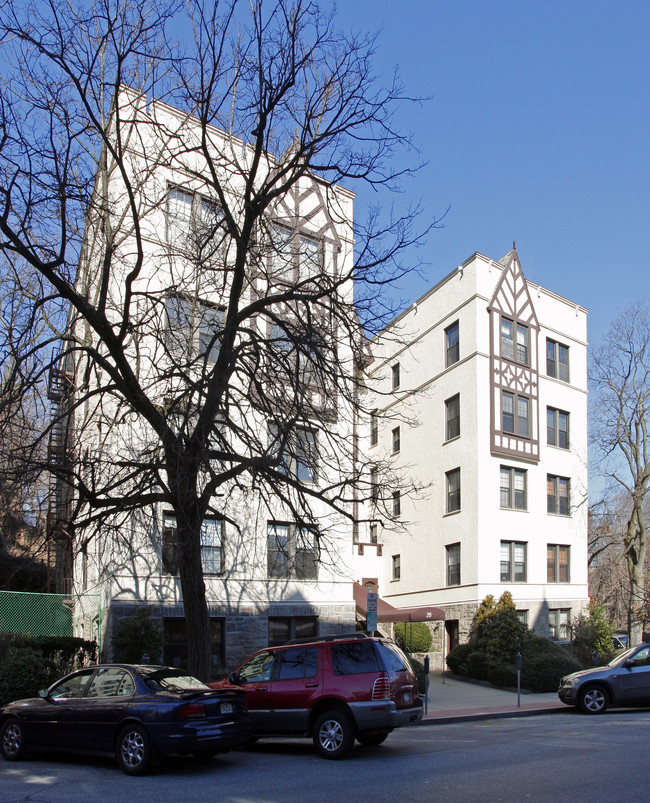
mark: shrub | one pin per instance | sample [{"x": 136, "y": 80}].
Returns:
[
  {"x": 421, "y": 636},
  {"x": 418, "y": 671},
  {"x": 478, "y": 665},
  {"x": 23, "y": 673},
  {"x": 593, "y": 632},
  {"x": 543, "y": 663},
  {"x": 503, "y": 675},
  {"x": 136, "y": 635},
  {"x": 458, "y": 658}
]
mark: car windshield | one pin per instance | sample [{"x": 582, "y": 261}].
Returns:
[
  {"x": 172, "y": 680},
  {"x": 620, "y": 659}
]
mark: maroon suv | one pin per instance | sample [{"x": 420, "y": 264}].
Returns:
[{"x": 333, "y": 689}]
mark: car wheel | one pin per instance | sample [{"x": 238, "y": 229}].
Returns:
[
  {"x": 372, "y": 738},
  {"x": 134, "y": 753},
  {"x": 12, "y": 740},
  {"x": 333, "y": 734},
  {"x": 593, "y": 700}
]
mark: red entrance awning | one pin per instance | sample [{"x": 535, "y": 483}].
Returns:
[{"x": 388, "y": 613}]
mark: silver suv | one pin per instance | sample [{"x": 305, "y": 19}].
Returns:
[{"x": 624, "y": 681}]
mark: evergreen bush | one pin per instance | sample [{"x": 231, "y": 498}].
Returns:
[
  {"x": 478, "y": 665},
  {"x": 458, "y": 658},
  {"x": 23, "y": 673},
  {"x": 421, "y": 636},
  {"x": 593, "y": 632},
  {"x": 504, "y": 675},
  {"x": 137, "y": 635}
]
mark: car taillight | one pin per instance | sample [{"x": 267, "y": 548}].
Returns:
[
  {"x": 192, "y": 711},
  {"x": 381, "y": 689}
]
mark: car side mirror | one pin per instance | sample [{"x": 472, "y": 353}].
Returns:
[
  {"x": 630, "y": 662},
  {"x": 44, "y": 694},
  {"x": 234, "y": 678}
]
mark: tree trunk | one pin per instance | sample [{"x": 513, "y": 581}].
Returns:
[{"x": 197, "y": 619}]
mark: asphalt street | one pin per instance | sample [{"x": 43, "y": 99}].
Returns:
[{"x": 549, "y": 758}]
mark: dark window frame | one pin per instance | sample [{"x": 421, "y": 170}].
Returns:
[
  {"x": 288, "y": 556},
  {"x": 555, "y": 434},
  {"x": 557, "y": 360},
  {"x": 555, "y": 501},
  {"x": 452, "y": 344},
  {"x": 452, "y": 417},
  {"x": 453, "y": 494},
  {"x": 452, "y": 563},
  {"x": 558, "y": 565},
  {"x": 508, "y": 564},
  {"x": 514, "y": 494}
]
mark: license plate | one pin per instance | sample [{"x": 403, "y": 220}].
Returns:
[
  {"x": 227, "y": 708},
  {"x": 406, "y": 696}
]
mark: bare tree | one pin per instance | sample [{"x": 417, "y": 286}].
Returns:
[
  {"x": 620, "y": 416},
  {"x": 269, "y": 102}
]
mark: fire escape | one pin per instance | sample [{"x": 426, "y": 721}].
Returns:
[{"x": 60, "y": 459}]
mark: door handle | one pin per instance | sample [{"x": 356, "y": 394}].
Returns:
[
  {"x": 261, "y": 688},
  {"x": 311, "y": 685}
]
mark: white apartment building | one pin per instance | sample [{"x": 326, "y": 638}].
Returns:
[
  {"x": 266, "y": 578},
  {"x": 480, "y": 396}
]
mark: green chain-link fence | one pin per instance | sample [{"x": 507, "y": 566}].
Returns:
[{"x": 33, "y": 614}]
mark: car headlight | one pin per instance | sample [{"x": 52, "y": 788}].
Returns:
[{"x": 569, "y": 682}]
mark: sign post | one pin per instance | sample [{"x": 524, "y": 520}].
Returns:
[{"x": 371, "y": 621}]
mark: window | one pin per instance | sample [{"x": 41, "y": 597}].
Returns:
[
  {"x": 397, "y": 503},
  {"x": 559, "y": 623},
  {"x": 452, "y": 344},
  {"x": 396, "y": 567},
  {"x": 296, "y": 663},
  {"x": 395, "y": 440},
  {"x": 258, "y": 668},
  {"x": 557, "y": 428},
  {"x": 294, "y": 254},
  {"x": 284, "y": 628},
  {"x": 557, "y": 360},
  {"x": 453, "y": 564},
  {"x": 395, "y": 375},
  {"x": 522, "y": 616},
  {"x": 558, "y": 495},
  {"x": 513, "y": 488},
  {"x": 374, "y": 537},
  {"x": 453, "y": 490},
  {"x": 557, "y": 563},
  {"x": 515, "y": 414},
  {"x": 374, "y": 428},
  {"x": 175, "y": 643},
  {"x": 193, "y": 328},
  {"x": 211, "y": 545},
  {"x": 514, "y": 341},
  {"x": 513, "y": 562},
  {"x": 111, "y": 681},
  {"x": 193, "y": 222},
  {"x": 292, "y": 552},
  {"x": 354, "y": 658},
  {"x": 309, "y": 257},
  {"x": 452, "y": 417},
  {"x": 374, "y": 485},
  {"x": 298, "y": 456}
]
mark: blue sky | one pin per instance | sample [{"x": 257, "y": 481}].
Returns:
[{"x": 537, "y": 130}]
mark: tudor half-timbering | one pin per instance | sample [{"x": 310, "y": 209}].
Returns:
[{"x": 489, "y": 415}]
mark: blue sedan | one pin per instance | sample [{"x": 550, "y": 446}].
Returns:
[{"x": 135, "y": 713}]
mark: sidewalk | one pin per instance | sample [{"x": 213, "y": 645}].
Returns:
[{"x": 457, "y": 700}]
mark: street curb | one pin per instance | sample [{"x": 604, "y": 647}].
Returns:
[{"x": 473, "y": 717}]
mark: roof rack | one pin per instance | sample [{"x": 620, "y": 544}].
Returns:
[{"x": 335, "y": 637}]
